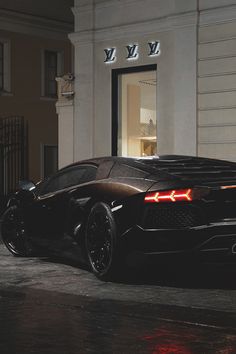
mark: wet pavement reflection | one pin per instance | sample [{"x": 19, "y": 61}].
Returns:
[
  {"x": 50, "y": 306},
  {"x": 42, "y": 322}
]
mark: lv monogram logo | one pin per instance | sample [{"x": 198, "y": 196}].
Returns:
[
  {"x": 110, "y": 55},
  {"x": 154, "y": 48},
  {"x": 132, "y": 51}
]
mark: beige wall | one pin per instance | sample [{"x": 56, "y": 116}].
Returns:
[
  {"x": 135, "y": 22},
  {"x": 196, "y": 72},
  {"x": 25, "y": 97},
  {"x": 217, "y": 80}
]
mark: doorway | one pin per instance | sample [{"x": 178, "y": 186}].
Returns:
[
  {"x": 49, "y": 160},
  {"x": 134, "y": 128}
]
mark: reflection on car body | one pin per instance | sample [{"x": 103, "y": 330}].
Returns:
[{"x": 108, "y": 209}]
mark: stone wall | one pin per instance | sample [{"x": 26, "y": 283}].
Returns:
[{"x": 217, "y": 79}]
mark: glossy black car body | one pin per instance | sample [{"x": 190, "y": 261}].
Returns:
[{"x": 110, "y": 209}]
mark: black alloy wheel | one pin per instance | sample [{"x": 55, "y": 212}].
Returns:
[
  {"x": 14, "y": 233},
  {"x": 101, "y": 242}
]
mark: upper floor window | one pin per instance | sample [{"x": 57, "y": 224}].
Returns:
[
  {"x": 1, "y": 67},
  {"x": 4, "y": 65},
  {"x": 52, "y": 67}
]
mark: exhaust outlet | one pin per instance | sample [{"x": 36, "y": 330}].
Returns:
[{"x": 234, "y": 248}]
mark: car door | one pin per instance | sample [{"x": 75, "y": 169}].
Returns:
[{"x": 52, "y": 207}]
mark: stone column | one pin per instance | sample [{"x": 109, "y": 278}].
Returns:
[
  {"x": 65, "y": 111},
  {"x": 83, "y": 41}
]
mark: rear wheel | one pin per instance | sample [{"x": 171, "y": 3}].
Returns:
[
  {"x": 101, "y": 242},
  {"x": 14, "y": 234}
]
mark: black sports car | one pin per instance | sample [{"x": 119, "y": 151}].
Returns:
[{"x": 113, "y": 209}]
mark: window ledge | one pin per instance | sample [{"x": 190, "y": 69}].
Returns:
[
  {"x": 6, "y": 93},
  {"x": 50, "y": 99}
]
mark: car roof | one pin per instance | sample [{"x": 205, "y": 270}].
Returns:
[
  {"x": 129, "y": 160},
  {"x": 181, "y": 167},
  {"x": 160, "y": 161}
]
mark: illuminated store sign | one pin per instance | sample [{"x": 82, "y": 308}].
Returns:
[
  {"x": 110, "y": 54},
  {"x": 154, "y": 48},
  {"x": 132, "y": 52}
]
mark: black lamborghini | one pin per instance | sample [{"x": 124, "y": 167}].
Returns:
[{"x": 112, "y": 210}]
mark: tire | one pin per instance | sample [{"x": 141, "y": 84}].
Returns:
[
  {"x": 14, "y": 234},
  {"x": 101, "y": 243}
]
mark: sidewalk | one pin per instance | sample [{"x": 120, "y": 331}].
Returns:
[{"x": 213, "y": 292}]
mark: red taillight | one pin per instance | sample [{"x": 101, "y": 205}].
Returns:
[{"x": 176, "y": 195}]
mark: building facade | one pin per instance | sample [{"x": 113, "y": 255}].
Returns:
[
  {"x": 152, "y": 76},
  {"x": 34, "y": 49}
]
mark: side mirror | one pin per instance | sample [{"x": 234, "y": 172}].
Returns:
[
  {"x": 26, "y": 191},
  {"x": 26, "y": 185}
]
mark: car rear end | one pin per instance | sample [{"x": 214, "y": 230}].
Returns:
[{"x": 191, "y": 213}]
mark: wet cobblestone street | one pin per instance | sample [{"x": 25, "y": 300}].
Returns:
[{"x": 52, "y": 307}]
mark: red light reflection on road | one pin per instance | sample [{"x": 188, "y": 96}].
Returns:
[
  {"x": 172, "y": 349},
  {"x": 158, "y": 343},
  {"x": 189, "y": 341}
]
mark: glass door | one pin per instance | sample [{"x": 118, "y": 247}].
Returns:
[{"x": 136, "y": 116}]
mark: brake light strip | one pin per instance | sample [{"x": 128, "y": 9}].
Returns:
[{"x": 169, "y": 196}]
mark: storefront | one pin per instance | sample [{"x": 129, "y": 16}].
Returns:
[
  {"x": 144, "y": 79},
  {"x": 134, "y": 119}
]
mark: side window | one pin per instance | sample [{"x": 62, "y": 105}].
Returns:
[
  {"x": 52, "y": 66},
  {"x": 123, "y": 170},
  {"x": 78, "y": 175},
  {"x": 5, "y": 86},
  {"x": 89, "y": 174},
  {"x": 50, "y": 186},
  {"x": 71, "y": 177}
]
